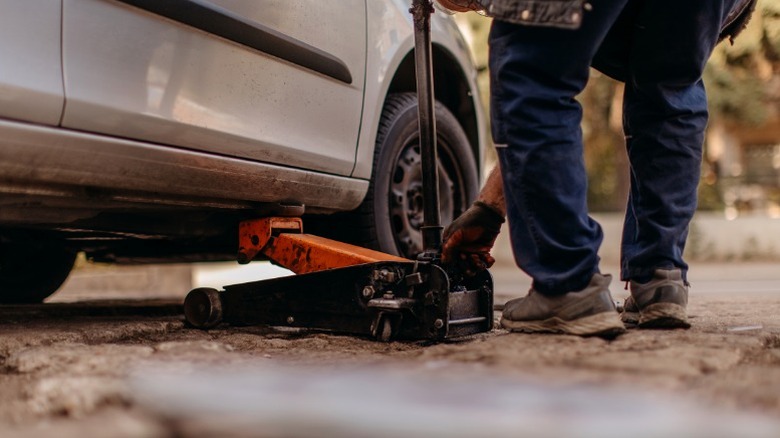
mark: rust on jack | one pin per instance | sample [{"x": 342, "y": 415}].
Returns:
[{"x": 282, "y": 241}]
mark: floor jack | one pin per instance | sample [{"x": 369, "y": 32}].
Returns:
[{"x": 348, "y": 289}]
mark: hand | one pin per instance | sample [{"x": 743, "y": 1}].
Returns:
[
  {"x": 469, "y": 239},
  {"x": 458, "y": 5}
]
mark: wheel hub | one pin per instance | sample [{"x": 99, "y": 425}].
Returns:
[{"x": 406, "y": 199}]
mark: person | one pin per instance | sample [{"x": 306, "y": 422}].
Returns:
[{"x": 540, "y": 55}]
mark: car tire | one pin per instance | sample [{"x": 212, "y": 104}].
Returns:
[
  {"x": 390, "y": 216},
  {"x": 30, "y": 272}
]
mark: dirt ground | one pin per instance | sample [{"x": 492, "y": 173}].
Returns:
[{"x": 85, "y": 368}]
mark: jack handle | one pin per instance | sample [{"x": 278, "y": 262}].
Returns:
[{"x": 431, "y": 229}]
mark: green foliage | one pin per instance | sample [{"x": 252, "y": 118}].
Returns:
[
  {"x": 605, "y": 155},
  {"x": 739, "y": 77},
  {"x": 710, "y": 197},
  {"x": 735, "y": 94}
]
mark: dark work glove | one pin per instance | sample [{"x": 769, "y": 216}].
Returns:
[{"x": 469, "y": 238}]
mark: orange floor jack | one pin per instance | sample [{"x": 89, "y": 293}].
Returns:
[{"x": 348, "y": 289}]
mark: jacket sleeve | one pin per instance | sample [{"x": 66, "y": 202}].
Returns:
[{"x": 565, "y": 14}]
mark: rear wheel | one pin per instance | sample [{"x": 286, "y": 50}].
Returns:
[
  {"x": 31, "y": 271},
  {"x": 390, "y": 217}
]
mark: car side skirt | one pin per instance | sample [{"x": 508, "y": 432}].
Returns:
[{"x": 39, "y": 155}]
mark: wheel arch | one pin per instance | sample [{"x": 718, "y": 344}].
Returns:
[{"x": 453, "y": 90}]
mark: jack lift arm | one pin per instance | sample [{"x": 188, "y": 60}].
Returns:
[{"x": 353, "y": 290}]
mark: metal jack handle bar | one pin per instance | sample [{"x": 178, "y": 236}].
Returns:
[{"x": 431, "y": 229}]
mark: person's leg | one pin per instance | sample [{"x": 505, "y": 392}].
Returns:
[
  {"x": 536, "y": 73},
  {"x": 613, "y": 53},
  {"x": 665, "y": 116}
]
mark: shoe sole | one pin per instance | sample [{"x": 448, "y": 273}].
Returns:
[
  {"x": 605, "y": 325},
  {"x": 664, "y": 316},
  {"x": 630, "y": 319}
]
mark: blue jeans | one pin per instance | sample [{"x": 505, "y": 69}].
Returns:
[{"x": 659, "y": 48}]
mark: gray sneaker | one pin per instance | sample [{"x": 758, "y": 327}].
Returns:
[
  {"x": 629, "y": 313},
  {"x": 660, "y": 303},
  {"x": 588, "y": 312}
]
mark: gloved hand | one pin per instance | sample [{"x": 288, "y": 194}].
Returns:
[
  {"x": 468, "y": 239},
  {"x": 459, "y": 5}
]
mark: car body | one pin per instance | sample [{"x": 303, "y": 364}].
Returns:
[{"x": 144, "y": 130}]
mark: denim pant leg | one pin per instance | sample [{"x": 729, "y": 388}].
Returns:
[
  {"x": 536, "y": 72},
  {"x": 665, "y": 116}
]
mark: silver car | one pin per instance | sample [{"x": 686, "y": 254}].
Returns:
[{"x": 145, "y": 130}]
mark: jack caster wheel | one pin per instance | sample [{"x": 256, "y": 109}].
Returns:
[
  {"x": 203, "y": 308},
  {"x": 384, "y": 329}
]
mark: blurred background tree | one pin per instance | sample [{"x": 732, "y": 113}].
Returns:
[{"x": 743, "y": 82}]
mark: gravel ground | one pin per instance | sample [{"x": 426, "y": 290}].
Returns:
[{"x": 130, "y": 368}]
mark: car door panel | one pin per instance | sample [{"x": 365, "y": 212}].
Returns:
[
  {"x": 30, "y": 62},
  {"x": 144, "y": 74}
]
